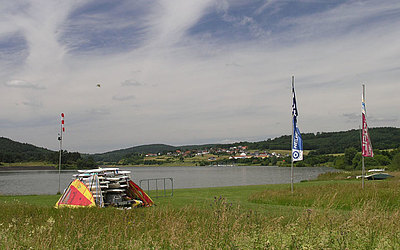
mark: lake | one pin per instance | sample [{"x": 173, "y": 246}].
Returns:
[{"x": 46, "y": 181}]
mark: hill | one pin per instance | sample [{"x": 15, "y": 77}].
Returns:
[
  {"x": 334, "y": 142},
  {"x": 321, "y": 143},
  {"x": 12, "y": 151},
  {"x": 116, "y": 155}
]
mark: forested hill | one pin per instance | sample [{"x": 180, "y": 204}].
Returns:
[
  {"x": 334, "y": 142},
  {"x": 116, "y": 155},
  {"x": 323, "y": 143},
  {"x": 12, "y": 151}
]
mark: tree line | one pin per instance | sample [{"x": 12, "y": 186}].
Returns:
[{"x": 321, "y": 144}]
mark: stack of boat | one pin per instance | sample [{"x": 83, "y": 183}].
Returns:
[{"x": 109, "y": 186}]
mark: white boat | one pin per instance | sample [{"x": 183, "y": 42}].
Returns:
[
  {"x": 113, "y": 178},
  {"x": 116, "y": 190},
  {"x": 98, "y": 170},
  {"x": 376, "y": 174},
  {"x": 376, "y": 170}
]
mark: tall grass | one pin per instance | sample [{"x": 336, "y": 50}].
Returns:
[
  {"x": 219, "y": 227},
  {"x": 337, "y": 195},
  {"x": 327, "y": 215}
]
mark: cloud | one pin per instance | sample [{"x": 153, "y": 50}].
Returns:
[
  {"x": 352, "y": 116},
  {"x": 99, "y": 111},
  {"x": 131, "y": 83},
  {"x": 222, "y": 69},
  {"x": 23, "y": 84},
  {"x": 123, "y": 97},
  {"x": 33, "y": 104}
]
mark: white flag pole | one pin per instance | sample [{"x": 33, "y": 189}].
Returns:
[
  {"x": 59, "y": 159},
  {"x": 291, "y": 168},
  {"x": 362, "y": 156}
]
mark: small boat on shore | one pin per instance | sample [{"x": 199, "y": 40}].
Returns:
[{"x": 376, "y": 174}]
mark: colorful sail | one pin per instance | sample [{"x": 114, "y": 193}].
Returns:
[
  {"x": 137, "y": 193},
  {"x": 76, "y": 195},
  {"x": 366, "y": 141},
  {"x": 297, "y": 142}
]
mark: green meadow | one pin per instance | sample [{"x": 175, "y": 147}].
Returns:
[{"x": 329, "y": 213}]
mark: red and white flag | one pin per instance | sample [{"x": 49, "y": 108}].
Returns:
[
  {"x": 62, "y": 122},
  {"x": 366, "y": 141}
]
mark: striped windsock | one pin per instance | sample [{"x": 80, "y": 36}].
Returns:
[{"x": 62, "y": 122}]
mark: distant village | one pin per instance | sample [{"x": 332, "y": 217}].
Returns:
[{"x": 239, "y": 152}]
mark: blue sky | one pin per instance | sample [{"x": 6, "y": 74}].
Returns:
[{"x": 190, "y": 72}]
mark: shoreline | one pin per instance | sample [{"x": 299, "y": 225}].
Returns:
[{"x": 14, "y": 168}]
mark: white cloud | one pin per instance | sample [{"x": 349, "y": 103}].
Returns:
[
  {"x": 175, "y": 71},
  {"x": 131, "y": 83},
  {"x": 22, "y": 84},
  {"x": 123, "y": 97}
]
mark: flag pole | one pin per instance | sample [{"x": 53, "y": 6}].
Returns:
[
  {"x": 362, "y": 155},
  {"x": 291, "y": 168},
  {"x": 59, "y": 158}
]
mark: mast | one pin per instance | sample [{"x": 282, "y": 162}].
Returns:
[
  {"x": 366, "y": 145},
  {"x": 297, "y": 142},
  {"x": 59, "y": 163},
  {"x": 291, "y": 167},
  {"x": 362, "y": 135},
  {"x": 59, "y": 159}
]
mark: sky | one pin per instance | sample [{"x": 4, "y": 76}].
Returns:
[{"x": 184, "y": 72}]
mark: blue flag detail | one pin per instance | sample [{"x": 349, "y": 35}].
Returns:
[
  {"x": 295, "y": 113},
  {"x": 297, "y": 142}
]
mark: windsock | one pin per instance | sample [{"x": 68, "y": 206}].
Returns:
[{"x": 62, "y": 122}]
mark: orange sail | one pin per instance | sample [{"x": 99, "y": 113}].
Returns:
[
  {"x": 76, "y": 195},
  {"x": 137, "y": 193}
]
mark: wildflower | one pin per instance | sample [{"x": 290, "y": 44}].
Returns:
[{"x": 51, "y": 220}]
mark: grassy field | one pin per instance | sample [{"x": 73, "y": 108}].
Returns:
[{"x": 332, "y": 213}]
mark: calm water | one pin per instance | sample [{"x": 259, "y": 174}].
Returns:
[{"x": 46, "y": 182}]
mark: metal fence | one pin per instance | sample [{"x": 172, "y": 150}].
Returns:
[{"x": 158, "y": 187}]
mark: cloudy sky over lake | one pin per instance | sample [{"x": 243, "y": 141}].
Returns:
[{"x": 193, "y": 71}]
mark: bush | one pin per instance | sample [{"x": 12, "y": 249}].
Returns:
[
  {"x": 382, "y": 160},
  {"x": 395, "y": 165}
]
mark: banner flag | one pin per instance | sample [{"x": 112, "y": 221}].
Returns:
[
  {"x": 294, "y": 106},
  {"x": 297, "y": 142},
  {"x": 366, "y": 141}
]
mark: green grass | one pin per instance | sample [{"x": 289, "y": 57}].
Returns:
[
  {"x": 37, "y": 200},
  {"x": 327, "y": 214},
  {"x": 27, "y": 164}
]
